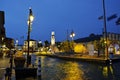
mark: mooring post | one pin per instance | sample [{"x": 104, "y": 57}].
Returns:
[{"x": 39, "y": 68}]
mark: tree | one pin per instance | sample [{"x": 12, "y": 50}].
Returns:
[
  {"x": 71, "y": 45},
  {"x": 40, "y": 45},
  {"x": 46, "y": 43},
  {"x": 65, "y": 46},
  {"x": 97, "y": 46},
  {"x": 80, "y": 48},
  {"x": 58, "y": 44}
]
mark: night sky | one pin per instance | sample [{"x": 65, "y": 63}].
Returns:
[{"x": 81, "y": 16}]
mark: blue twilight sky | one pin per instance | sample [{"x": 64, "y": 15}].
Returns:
[{"x": 81, "y": 16}]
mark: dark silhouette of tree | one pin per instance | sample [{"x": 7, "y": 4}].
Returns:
[
  {"x": 46, "y": 43},
  {"x": 92, "y": 35}
]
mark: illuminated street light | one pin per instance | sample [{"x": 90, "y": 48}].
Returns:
[
  {"x": 72, "y": 35},
  {"x": 39, "y": 45},
  {"x": 30, "y": 20},
  {"x": 16, "y": 45}
]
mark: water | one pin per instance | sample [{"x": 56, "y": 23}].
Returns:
[{"x": 57, "y": 69}]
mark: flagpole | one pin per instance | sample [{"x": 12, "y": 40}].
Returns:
[{"x": 105, "y": 30}]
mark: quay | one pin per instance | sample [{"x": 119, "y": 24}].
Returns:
[{"x": 86, "y": 58}]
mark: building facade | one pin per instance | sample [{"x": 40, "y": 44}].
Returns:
[
  {"x": 113, "y": 36},
  {"x": 2, "y": 28},
  {"x": 33, "y": 45},
  {"x": 98, "y": 41},
  {"x": 4, "y": 41}
]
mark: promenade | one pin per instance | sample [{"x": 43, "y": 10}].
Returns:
[{"x": 89, "y": 58}]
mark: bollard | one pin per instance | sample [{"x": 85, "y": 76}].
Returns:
[
  {"x": 8, "y": 74},
  {"x": 33, "y": 59},
  {"x": 39, "y": 68},
  {"x": 110, "y": 61}
]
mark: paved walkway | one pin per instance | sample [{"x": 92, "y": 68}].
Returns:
[
  {"x": 13, "y": 74},
  {"x": 100, "y": 59}
]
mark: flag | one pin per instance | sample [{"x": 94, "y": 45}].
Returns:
[
  {"x": 112, "y": 17},
  {"x": 100, "y": 18},
  {"x": 118, "y": 21}
]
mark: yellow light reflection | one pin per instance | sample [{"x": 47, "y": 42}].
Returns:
[
  {"x": 73, "y": 72},
  {"x": 105, "y": 71},
  {"x": 111, "y": 69}
]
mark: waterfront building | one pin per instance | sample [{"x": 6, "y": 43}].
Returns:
[
  {"x": 114, "y": 37},
  {"x": 33, "y": 44},
  {"x": 98, "y": 40}
]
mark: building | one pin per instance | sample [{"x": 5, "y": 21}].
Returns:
[
  {"x": 9, "y": 42},
  {"x": 33, "y": 45},
  {"x": 2, "y": 28},
  {"x": 113, "y": 36},
  {"x": 4, "y": 41},
  {"x": 53, "y": 38},
  {"x": 90, "y": 38},
  {"x": 98, "y": 43}
]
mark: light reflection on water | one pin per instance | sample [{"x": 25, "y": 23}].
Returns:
[
  {"x": 60, "y": 70},
  {"x": 56, "y": 69}
]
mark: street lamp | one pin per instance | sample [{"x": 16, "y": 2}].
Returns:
[
  {"x": 72, "y": 35},
  {"x": 39, "y": 45},
  {"x": 16, "y": 45},
  {"x": 30, "y": 20}
]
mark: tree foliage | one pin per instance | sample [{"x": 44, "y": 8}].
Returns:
[
  {"x": 46, "y": 43},
  {"x": 65, "y": 46},
  {"x": 80, "y": 48}
]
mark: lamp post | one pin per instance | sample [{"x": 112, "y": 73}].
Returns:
[
  {"x": 72, "y": 35},
  {"x": 30, "y": 20},
  {"x": 39, "y": 45},
  {"x": 105, "y": 30},
  {"x": 16, "y": 45}
]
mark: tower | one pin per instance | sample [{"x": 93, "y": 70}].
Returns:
[{"x": 52, "y": 38}]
